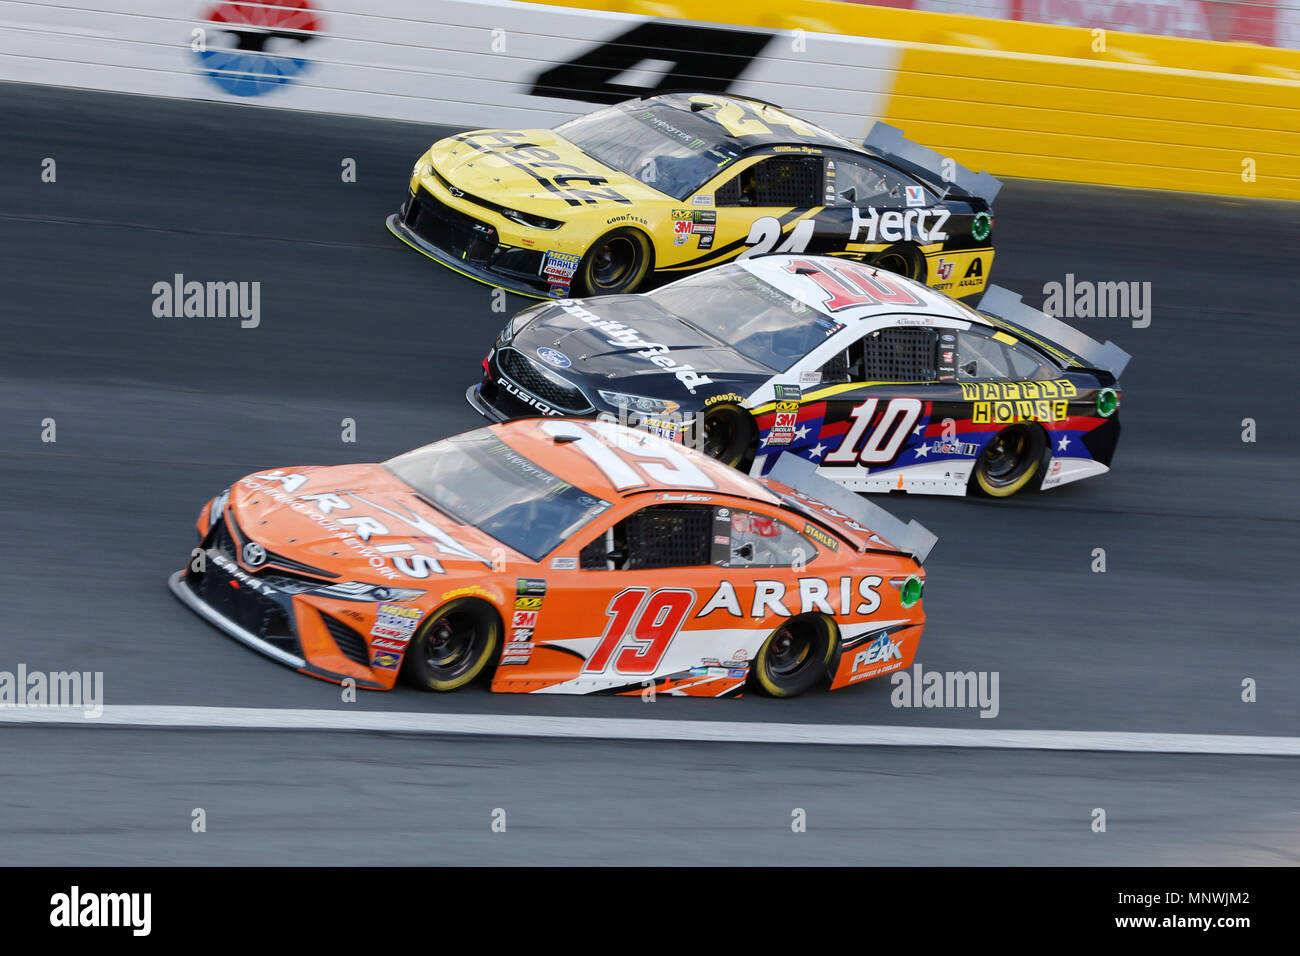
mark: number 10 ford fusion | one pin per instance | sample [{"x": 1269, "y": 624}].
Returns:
[{"x": 882, "y": 383}]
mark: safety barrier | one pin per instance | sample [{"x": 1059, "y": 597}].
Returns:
[{"x": 1014, "y": 98}]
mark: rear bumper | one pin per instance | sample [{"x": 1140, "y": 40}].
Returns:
[{"x": 1102, "y": 440}]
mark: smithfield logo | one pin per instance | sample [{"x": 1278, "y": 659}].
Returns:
[
  {"x": 552, "y": 357},
  {"x": 254, "y": 554},
  {"x": 248, "y": 49}
]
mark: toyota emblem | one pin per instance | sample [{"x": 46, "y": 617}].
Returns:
[{"x": 254, "y": 554}]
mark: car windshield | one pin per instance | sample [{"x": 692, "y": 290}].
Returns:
[
  {"x": 674, "y": 151},
  {"x": 756, "y": 319},
  {"x": 481, "y": 481}
]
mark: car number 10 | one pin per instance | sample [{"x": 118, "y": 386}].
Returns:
[{"x": 885, "y": 440}]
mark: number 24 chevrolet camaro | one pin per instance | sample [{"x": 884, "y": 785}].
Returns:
[{"x": 564, "y": 557}]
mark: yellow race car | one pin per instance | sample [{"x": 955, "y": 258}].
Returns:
[{"x": 670, "y": 184}]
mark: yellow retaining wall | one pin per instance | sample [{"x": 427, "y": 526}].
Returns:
[{"x": 1032, "y": 100}]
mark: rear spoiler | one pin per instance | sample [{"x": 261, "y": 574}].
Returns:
[
  {"x": 890, "y": 143},
  {"x": 1006, "y": 304},
  {"x": 801, "y": 474}
]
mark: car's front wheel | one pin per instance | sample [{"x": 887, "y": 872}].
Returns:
[
  {"x": 1010, "y": 461},
  {"x": 454, "y": 646},
  {"x": 730, "y": 436},
  {"x": 617, "y": 263},
  {"x": 795, "y": 656}
]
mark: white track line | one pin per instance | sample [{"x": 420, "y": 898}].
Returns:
[{"x": 633, "y": 728}]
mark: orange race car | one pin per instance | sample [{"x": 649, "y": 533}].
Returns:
[{"x": 566, "y": 557}]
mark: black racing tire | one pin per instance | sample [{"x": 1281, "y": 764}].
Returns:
[
  {"x": 795, "y": 657},
  {"x": 1012, "y": 461},
  {"x": 903, "y": 259},
  {"x": 615, "y": 264},
  {"x": 730, "y": 436},
  {"x": 455, "y": 645}
]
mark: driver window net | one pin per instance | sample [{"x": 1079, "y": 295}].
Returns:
[
  {"x": 669, "y": 536},
  {"x": 899, "y": 355},
  {"x": 789, "y": 181}
]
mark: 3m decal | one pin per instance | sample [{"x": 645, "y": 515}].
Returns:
[{"x": 782, "y": 433}]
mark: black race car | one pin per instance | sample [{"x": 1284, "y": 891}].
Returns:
[{"x": 882, "y": 382}]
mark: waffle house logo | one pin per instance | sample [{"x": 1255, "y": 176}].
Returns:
[{"x": 1001, "y": 403}]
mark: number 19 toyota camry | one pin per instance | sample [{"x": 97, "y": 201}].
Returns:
[{"x": 576, "y": 557}]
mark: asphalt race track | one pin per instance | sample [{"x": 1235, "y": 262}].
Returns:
[{"x": 154, "y": 415}]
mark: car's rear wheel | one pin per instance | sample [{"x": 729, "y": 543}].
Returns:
[
  {"x": 730, "y": 436},
  {"x": 1010, "y": 461},
  {"x": 616, "y": 263},
  {"x": 454, "y": 646},
  {"x": 904, "y": 260},
  {"x": 795, "y": 656}
]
